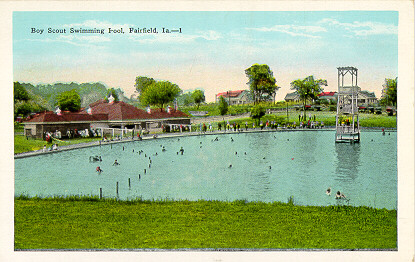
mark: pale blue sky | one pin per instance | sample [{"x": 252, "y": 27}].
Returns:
[{"x": 212, "y": 51}]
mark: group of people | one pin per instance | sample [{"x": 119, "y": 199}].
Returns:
[
  {"x": 99, "y": 170},
  {"x": 53, "y": 147},
  {"x": 339, "y": 195}
]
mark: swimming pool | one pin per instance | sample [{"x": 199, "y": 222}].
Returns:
[{"x": 262, "y": 166}]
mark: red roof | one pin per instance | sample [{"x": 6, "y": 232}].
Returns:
[
  {"x": 230, "y": 93},
  {"x": 118, "y": 110},
  {"x": 327, "y": 94},
  {"x": 159, "y": 114},
  {"x": 50, "y": 116},
  {"x": 102, "y": 110}
]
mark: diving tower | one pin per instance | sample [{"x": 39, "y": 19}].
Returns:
[{"x": 347, "y": 117}]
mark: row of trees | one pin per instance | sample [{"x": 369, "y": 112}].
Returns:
[{"x": 262, "y": 84}]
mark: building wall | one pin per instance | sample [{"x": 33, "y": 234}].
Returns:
[{"x": 38, "y": 130}]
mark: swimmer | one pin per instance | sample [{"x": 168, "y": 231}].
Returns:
[
  {"x": 115, "y": 163},
  {"x": 328, "y": 191},
  {"x": 99, "y": 170},
  {"x": 230, "y": 166},
  {"x": 338, "y": 195},
  {"x": 269, "y": 167}
]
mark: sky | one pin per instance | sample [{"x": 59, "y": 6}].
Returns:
[{"x": 210, "y": 52}]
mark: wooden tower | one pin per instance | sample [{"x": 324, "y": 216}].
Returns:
[{"x": 347, "y": 118}]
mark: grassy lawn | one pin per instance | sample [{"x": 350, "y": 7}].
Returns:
[
  {"x": 329, "y": 119},
  {"x": 21, "y": 144},
  {"x": 90, "y": 223}
]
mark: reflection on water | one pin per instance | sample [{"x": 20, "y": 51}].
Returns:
[
  {"x": 347, "y": 161},
  {"x": 270, "y": 166}
]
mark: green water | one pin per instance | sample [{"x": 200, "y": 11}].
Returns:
[{"x": 265, "y": 166}]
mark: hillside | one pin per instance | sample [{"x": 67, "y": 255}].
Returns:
[{"x": 46, "y": 94}]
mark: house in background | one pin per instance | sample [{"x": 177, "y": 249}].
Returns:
[
  {"x": 366, "y": 98},
  {"x": 292, "y": 97},
  {"x": 109, "y": 117},
  {"x": 238, "y": 97}
]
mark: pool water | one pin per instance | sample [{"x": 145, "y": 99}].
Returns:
[{"x": 263, "y": 166}]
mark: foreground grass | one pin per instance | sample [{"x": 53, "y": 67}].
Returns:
[{"x": 90, "y": 223}]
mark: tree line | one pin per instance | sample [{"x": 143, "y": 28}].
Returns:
[{"x": 261, "y": 82}]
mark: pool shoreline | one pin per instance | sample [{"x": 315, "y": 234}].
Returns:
[{"x": 183, "y": 134}]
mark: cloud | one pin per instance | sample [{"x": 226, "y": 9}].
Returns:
[
  {"x": 175, "y": 37},
  {"x": 293, "y": 30},
  {"x": 364, "y": 28}
]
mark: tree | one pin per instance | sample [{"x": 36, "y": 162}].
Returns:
[
  {"x": 185, "y": 99},
  {"x": 261, "y": 82},
  {"x": 114, "y": 94},
  {"x": 257, "y": 112},
  {"x": 390, "y": 97},
  {"x": 223, "y": 106},
  {"x": 19, "y": 92},
  {"x": 142, "y": 82},
  {"x": 198, "y": 96},
  {"x": 69, "y": 101},
  {"x": 160, "y": 93},
  {"x": 308, "y": 88}
]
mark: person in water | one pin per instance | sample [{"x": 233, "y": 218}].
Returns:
[
  {"x": 115, "y": 163},
  {"x": 99, "y": 170}
]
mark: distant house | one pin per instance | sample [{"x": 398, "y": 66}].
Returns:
[
  {"x": 238, "y": 97},
  {"x": 366, "y": 98},
  {"x": 329, "y": 96},
  {"x": 102, "y": 115},
  {"x": 292, "y": 97}
]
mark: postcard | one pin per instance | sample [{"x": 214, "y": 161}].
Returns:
[{"x": 211, "y": 131}]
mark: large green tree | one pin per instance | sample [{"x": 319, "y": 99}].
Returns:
[
  {"x": 159, "y": 94},
  {"x": 222, "y": 106},
  {"x": 308, "y": 88},
  {"x": 391, "y": 93},
  {"x": 19, "y": 92},
  {"x": 261, "y": 82},
  {"x": 69, "y": 101},
  {"x": 257, "y": 112},
  {"x": 198, "y": 97},
  {"x": 142, "y": 82}
]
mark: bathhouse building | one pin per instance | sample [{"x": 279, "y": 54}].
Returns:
[{"x": 104, "y": 116}]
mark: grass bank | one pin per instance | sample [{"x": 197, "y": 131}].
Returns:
[
  {"x": 90, "y": 223},
  {"x": 23, "y": 144},
  {"x": 329, "y": 119}
]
